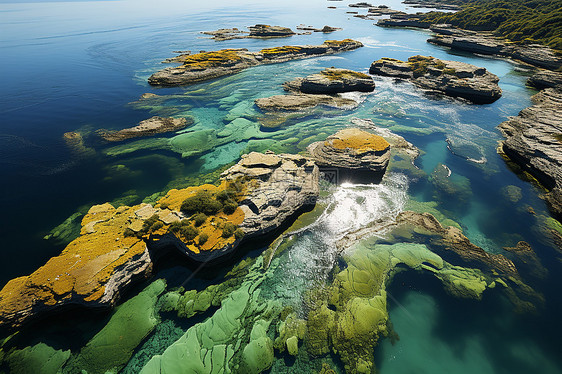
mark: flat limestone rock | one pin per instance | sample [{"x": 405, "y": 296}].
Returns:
[
  {"x": 209, "y": 65},
  {"x": 352, "y": 149},
  {"x": 298, "y": 102},
  {"x": 151, "y": 126},
  {"x": 534, "y": 142},
  {"x": 331, "y": 81},
  {"x": 451, "y": 78}
]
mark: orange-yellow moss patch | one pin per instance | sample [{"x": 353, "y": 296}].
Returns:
[
  {"x": 359, "y": 140},
  {"x": 213, "y": 226},
  {"x": 336, "y": 74},
  {"x": 281, "y": 50},
  {"x": 207, "y": 60},
  {"x": 338, "y": 43}
]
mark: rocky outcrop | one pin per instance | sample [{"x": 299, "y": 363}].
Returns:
[
  {"x": 545, "y": 79},
  {"x": 451, "y": 78},
  {"x": 353, "y": 149},
  {"x": 282, "y": 186},
  {"x": 267, "y": 31},
  {"x": 148, "y": 127},
  {"x": 325, "y": 29},
  {"x": 331, "y": 81},
  {"x": 534, "y": 142},
  {"x": 299, "y": 102},
  {"x": 257, "y": 31},
  {"x": 404, "y": 20},
  {"x": 209, "y": 65},
  {"x": 256, "y": 196},
  {"x": 91, "y": 270},
  {"x": 487, "y": 44}
]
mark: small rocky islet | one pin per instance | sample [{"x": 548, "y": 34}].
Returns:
[{"x": 260, "y": 194}]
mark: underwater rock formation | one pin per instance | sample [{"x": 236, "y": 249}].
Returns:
[
  {"x": 209, "y": 65},
  {"x": 451, "y": 78},
  {"x": 233, "y": 339},
  {"x": 39, "y": 358},
  {"x": 332, "y": 81},
  {"x": 353, "y": 316},
  {"x": 353, "y": 149},
  {"x": 151, "y": 126},
  {"x": 534, "y": 142},
  {"x": 113, "y": 346},
  {"x": 90, "y": 271}
]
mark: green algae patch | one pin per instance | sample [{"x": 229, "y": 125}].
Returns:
[
  {"x": 39, "y": 358},
  {"x": 113, "y": 346}
]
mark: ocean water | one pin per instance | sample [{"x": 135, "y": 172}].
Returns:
[{"x": 82, "y": 66}]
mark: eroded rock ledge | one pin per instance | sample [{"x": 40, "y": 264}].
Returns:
[
  {"x": 207, "y": 222},
  {"x": 534, "y": 142},
  {"x": 451, "y": 78},
  {"x": 151, "y": 126},
  {"x": 209, "y": 65}
]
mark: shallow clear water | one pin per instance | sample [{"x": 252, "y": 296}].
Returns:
[{"x": 76, "y": 66}]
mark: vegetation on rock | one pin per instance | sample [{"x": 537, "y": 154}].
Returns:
[{"x": 517, "y": 20}]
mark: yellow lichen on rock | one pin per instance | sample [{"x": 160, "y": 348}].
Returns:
[
  {"x": 81, "y": 272},
  {"x": 358, "y": 140},
  {"x": 338, "y": 74},
  {"x": 280, "y": 50},
  {"x": 213, "y": 228},
  {"x": 207, "y": 60}
]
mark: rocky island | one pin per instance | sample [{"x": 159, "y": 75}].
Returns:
[
  {"x": 451, "y": 78},
  {"x": 209, "y": 65},
  {"x": 332, "y": 81},
  {"x": 258, "y": 31},
  {"x": 151, "y": 126},
  {"x": 354, "y": 150}
]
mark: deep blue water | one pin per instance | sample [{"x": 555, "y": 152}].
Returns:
[{"x": 75, "y": 66}]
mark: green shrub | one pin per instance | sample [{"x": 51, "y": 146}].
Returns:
[
  {"x": 128, "y": 233},
  {"x": 147, "y": 224},
  {"x": 239, "y": 234},
  {"x": 176, "y": 226},
  {"x": 188, "y": 232},
  {"x": 230, "y": 207},
  {"x": 228, "y": 230},
  {"x": 203, "y": 238},
  {"x": 202, "y": 202},
  {"x": 200, "y": 219},
  {"x": 156, "y": 226}
]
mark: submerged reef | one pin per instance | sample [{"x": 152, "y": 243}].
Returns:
[
  {"x": 209, "y": 65},
  {"x": 451, "y": 78}
]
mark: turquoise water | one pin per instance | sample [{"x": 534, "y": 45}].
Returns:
[{"x": 82, "y": 66}]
